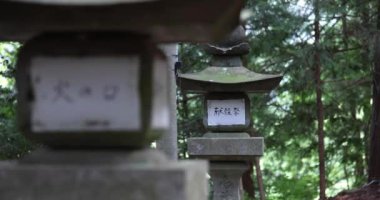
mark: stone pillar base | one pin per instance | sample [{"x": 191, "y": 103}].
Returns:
[
  {"x": 226, "y": 178},
  {"x": 226, "y": 147},
  {"x": 102, "y": 175}
]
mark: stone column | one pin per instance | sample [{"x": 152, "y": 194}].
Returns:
[
  {"x": 226, "y": 177},
  {"x": 168, "y": 142}
]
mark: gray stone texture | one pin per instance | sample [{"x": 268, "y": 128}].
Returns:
[
  {"x": 94, "y": 157},
  {"x": 226, "y": 180},
  {"x": 234, "y": 44},
  {"x": 226, "y": 148},
  {"x": 227, "y": 74},
  {"x": 168, "y": 141},
  {"x": 226, "y": 135},
  {"x": 103, "y": 176},
  {"x": 195, "y": 20},
  {"x": 239, "y": 49}
]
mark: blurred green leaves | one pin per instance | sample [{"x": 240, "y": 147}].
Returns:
[
  {"x": 280, "y": 34},
  {"x": 12, "y": 144}
]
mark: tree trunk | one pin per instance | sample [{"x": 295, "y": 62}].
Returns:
[
  {"x": 364, "y": 12},
  {"x": 259, "y": 176},
  {"x": 247, "y": 181},
  {"x": 317, "y": 68},
  {"x": 374, "y": 154}
]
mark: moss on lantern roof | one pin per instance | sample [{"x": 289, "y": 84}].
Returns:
[
  {"x": 228, "y": 79},
  {"x": 228, "y": 75}
]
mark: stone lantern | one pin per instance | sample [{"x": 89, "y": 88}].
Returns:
[
  {"x": 227, "y": 114},
  {"x": 101, "y": 94},
  {"x": 93, "y": 88}
]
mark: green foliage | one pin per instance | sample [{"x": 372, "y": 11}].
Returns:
[
  {"x": 281, "y": 37},
  {"x": 12, "y": 143},
  {"x": 189, "y": 106}
]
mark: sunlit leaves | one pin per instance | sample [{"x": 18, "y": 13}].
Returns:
[{"x": 12, "y": 144}]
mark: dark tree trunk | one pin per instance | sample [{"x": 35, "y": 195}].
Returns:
[
  {"x": 344, "y": 24},
  {"x": 248, "y": 184},
  {"x": 317, "y": 68},
  {"x": 374, "y": 154},
  {"x": 259, "y": 176},
  {"x": 185, "y": 117},
  {"x": 364, "y": 12},
  {"x": 247, "y": 181}
]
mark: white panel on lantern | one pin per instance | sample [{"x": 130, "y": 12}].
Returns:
[
  {"x": 226, "y": 112},
  {"x": 85, "y": 94}
]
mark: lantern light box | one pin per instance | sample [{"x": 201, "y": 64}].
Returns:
[
  {"x": 227, "y": 111},
  {"x": 103, "y": 93},
  {"x": 85, "y": 94}
]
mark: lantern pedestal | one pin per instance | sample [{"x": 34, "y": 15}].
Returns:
[
  {"x": 102, "y": 174},
  {"x": 226, "y": 146},
  {"x": 226, "y": 180},
  {"x": 227, "y": 153}
]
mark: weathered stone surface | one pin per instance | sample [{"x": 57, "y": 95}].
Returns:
[
  {"x": 239, "y": 49},
  {"x": 225, "y": 135},
  {"x": 237, "y": 36},
  {"x": 228, "y": 79},
  {"x": 184, "y": 180},
  {"x": 233, "y": 44},
  {"x": 226, "y": 180},
  {"x": 168, "y": 141},
  {"x": 94, "y": 157},
  {"x": 227, "y": 74},
  {"x": 226, "y": 148}
]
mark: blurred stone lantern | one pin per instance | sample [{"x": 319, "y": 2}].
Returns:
[
  {"x": 227, "y": 114},
  {"x": 93, "y": 86},
  {"x": 102, "y": 93},
  {"x": 96, "y": 77}
]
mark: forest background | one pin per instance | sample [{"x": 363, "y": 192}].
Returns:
[{"x": 298, "y": 38}]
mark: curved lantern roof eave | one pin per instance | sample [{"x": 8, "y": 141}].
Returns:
[
  {"x": 78, "y": 2},
  {"x": 163, "y": 20},
  {"x": 228, "y": 79}
]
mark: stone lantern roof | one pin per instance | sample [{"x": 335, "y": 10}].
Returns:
[
  {"x": 227, "y": 73},
  {"x": 228, "y": 79},
  {"x": 78, "y": 2},
  {"x": 163, "y": 20}
]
